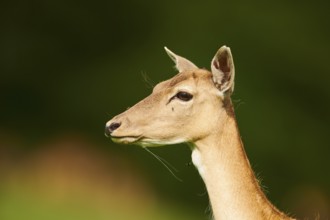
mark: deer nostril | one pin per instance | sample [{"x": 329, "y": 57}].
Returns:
[
  {"x": 114, "y": 126},
  {"x": 111, "y": 128}
]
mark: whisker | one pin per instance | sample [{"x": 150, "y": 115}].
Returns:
[
  {"x": 238, "y": 103},
  {"x": 166, "y": 164},
  {"x": 149, "y": 83}
]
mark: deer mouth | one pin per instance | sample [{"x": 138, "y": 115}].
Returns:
[
  {"x": 125, "y": 139},
  {"x": 136, "y": 140}
]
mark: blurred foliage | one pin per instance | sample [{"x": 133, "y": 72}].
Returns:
[{"x": 66, "y": 67}]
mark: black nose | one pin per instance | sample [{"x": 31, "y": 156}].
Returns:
[{"x": 111, "y": 128}]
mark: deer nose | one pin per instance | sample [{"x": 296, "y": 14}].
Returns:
[{"x": 111, "y": 128}]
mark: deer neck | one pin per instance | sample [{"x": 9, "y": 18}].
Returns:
[{"x": 232, "y": 187}]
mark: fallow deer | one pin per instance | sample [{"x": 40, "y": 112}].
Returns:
[{"x": 195, "y": 107}]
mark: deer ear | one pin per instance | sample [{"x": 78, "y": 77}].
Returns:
[
  {"x": 223, "y": 70},
  {"x": 181, "y": 63}
]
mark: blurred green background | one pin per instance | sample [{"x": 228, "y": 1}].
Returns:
[{"x": 66, "y": 67}]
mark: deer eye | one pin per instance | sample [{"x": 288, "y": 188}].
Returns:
[{"x": 184, "y": 96}]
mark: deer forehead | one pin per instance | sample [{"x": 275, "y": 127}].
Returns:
[{"x": 186, "y": 80}]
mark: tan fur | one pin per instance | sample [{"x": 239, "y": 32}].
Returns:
[{"x": 207, "y": 122}]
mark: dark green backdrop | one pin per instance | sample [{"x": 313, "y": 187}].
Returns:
[{"x": 66, "y": 67}]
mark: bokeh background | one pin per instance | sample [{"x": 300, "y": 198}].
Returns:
[{"x": 66, "y": 67}]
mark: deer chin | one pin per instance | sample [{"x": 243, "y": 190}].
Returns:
[
  {"x": 145, "y": 141},
  {"x": 150, "y": 142}
]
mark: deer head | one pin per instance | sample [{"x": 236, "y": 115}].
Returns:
[{"x": 185, "y": 108}]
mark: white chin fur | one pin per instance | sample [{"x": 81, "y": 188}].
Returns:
[{"x": 145, "y": 142}]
